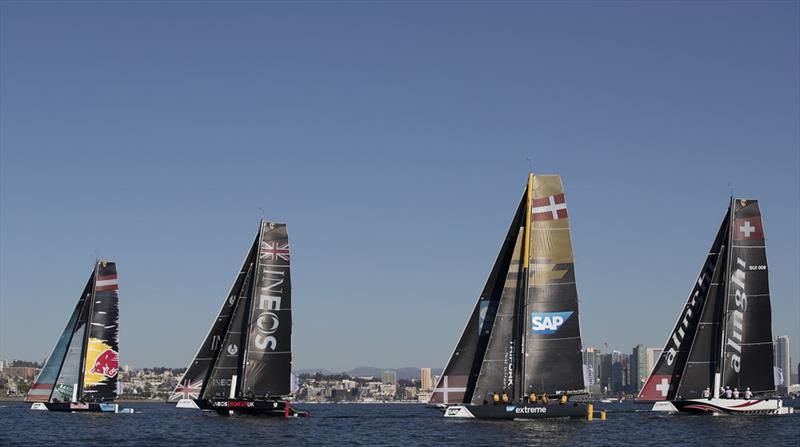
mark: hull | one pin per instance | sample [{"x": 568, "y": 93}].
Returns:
[
  {"x": 187, "y": 403},
  {"x": 76, "y": 407},
  {"x": 238, "y": 407},
  {"x": 519, "y": 411},
  {"x": 724, "y": 406}
]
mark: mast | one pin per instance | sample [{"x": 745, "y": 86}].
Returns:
[
  {"x": 86, "y": 332},
  {"x": 723, "y": 321},
  {"x": 520, "y": 387}
]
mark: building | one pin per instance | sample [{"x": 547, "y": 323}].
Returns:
[
  {"x": 21, "y": 372},
  {"x": 784, "y": 362},
  {"x": 639, "y": 369},
  {"x": 652, "y": 358},
  {"x": 591, "y": 359},
  {"x": 390, "y": 378},
  {"x": 427, "y": 379}
]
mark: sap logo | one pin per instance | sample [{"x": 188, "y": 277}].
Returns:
[
  {"x": 510, "y": 408},
  {"x": 547, "y": 322}
]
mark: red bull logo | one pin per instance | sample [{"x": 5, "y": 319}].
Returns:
[{"x": 107, "y": 364}]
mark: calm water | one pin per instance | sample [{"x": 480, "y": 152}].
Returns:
[{"x": 356, "y": 424}]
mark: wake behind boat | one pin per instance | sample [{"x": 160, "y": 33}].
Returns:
[
  {"x": 244, "y": 364},
  {"x": 81, "y": 373},
  {"x": 719, "y": 356},
  {"x": 522, "y": 341}
]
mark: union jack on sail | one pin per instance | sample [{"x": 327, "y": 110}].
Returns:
[
  {"x": 274, "y": 250},
  {"x": 187, "y": 390}
]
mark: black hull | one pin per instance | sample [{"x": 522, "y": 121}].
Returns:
[
  {"x": 520, "y": 411},
  {"x": 237, "y": 407}
]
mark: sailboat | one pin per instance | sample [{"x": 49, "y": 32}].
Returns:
[
  {"x": 723, "y": 337},
  {"x": 81, "y": 372},
  {"x": 523, "y": 336},
  {"x": 244, "y": 364}
]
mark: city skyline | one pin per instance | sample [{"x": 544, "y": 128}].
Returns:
[{"x": 395, "y": 154}]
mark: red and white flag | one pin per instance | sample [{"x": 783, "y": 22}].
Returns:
[
  {"x": 450, "y": 390},
  {"x": 748, "y": 229},
  {"x": 549, "y": 208},
  {"x": 106, "y": 282}
]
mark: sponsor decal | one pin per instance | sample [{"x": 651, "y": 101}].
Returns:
[
  {"x": 270, "y": 292},
  {"x": 531, "y": 410},
  {"x": 233, "y": 404},
  {"x": 233, "y": 349},
  {"x": 548, "y": 322},
  {"x": 102, "y": 362},
  {"x": 692, "y": 311},
  {"x": 453, "y": 411},
  {"x": 737, "y": 316},
  {"x": 510, "y": 408}
]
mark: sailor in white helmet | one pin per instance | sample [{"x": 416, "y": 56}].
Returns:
[
  {"x": 748, "y": 394},
  {"x": 728, "y": 392},
  {"x": 736, "y": 393},
  {"x": 706, "y": 393},
  {"x": 721, "y": 392}
]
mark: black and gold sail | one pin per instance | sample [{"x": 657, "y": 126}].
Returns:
[{"x": 524, "y": 332}]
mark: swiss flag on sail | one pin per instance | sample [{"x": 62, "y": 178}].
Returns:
[
  {"x": 657, "y": 387},
  {"x": 748, "y": 229}
]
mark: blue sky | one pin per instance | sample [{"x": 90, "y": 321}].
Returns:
[{"x": 392, "y": 138}]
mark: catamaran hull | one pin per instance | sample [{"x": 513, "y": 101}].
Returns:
[
  {"x": 236, "y": 407},
  {"x": 518, "y": 411},
  {"x": 76, "y": 407},
  {"x": 724, "y": 406}
]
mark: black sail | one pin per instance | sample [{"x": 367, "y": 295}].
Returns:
[
  {"x": 228, "y": 361},
  {"x": 552, "y": 343},
  {"x": 193, "y": 382},
  {"x": 662, "y": 384},
  {"x": 101, "y": 360},
  {"x": 268, "y": 355},
  {"x": 499, "y": 369},
  {"x": 458, "y": 380},
  {"x": 702, "y": 362},
  {"x": 747, "y": 360}
]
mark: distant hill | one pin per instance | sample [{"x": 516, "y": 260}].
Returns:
[{"x": 404, "y": 373}]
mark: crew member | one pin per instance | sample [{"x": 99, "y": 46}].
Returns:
[
  {"x": 544, "y": 398},
  {"x": 748, "y": 394},
  {"x": 706, "y": 393},
  {"x": 736, "y": 393},
  {"x": 728, "y": 392},
  {"x": 505, "y": 397},
  {"x": 721, "y": 392},
  {"x": 496, "y": 398},
  {"x": 532, "y": 398},
  {"x": 563, "y": 399}
]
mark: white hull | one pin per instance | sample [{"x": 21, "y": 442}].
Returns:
[
  {"x": 187, "y": 403},
  {"x": 724, "y": 406}
]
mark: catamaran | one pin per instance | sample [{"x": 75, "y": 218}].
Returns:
[
  {"x": 244, "y": 364},
  {"x": 81, "y": 372},
  {"x": 522, "y": 340},
  {"x": 722, "y": 340}
]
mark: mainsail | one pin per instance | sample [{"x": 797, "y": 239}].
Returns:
[
  {"x": 84, "y": 363},
  {"x": 523, "y": 334},
  {"x": 247, "y": 352},
  {"x": 723, "y": 336}
]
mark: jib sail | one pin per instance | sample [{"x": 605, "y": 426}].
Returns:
[{"x": 193, "y": 382}]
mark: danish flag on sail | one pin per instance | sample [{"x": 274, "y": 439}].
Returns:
[
  {"x": 549, "y": 208},
  {"x": 450, "y": 390}
]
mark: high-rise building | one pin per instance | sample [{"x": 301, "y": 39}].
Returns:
[
  {"x": 427, "y": 380},
  {"x": 591, "y": 359},
  {"x": 784, "y": 362},
  {"x": 652, "y": 357},
  {"x": 389, "y": 378},
  {"x": 639, "y": 370}
]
